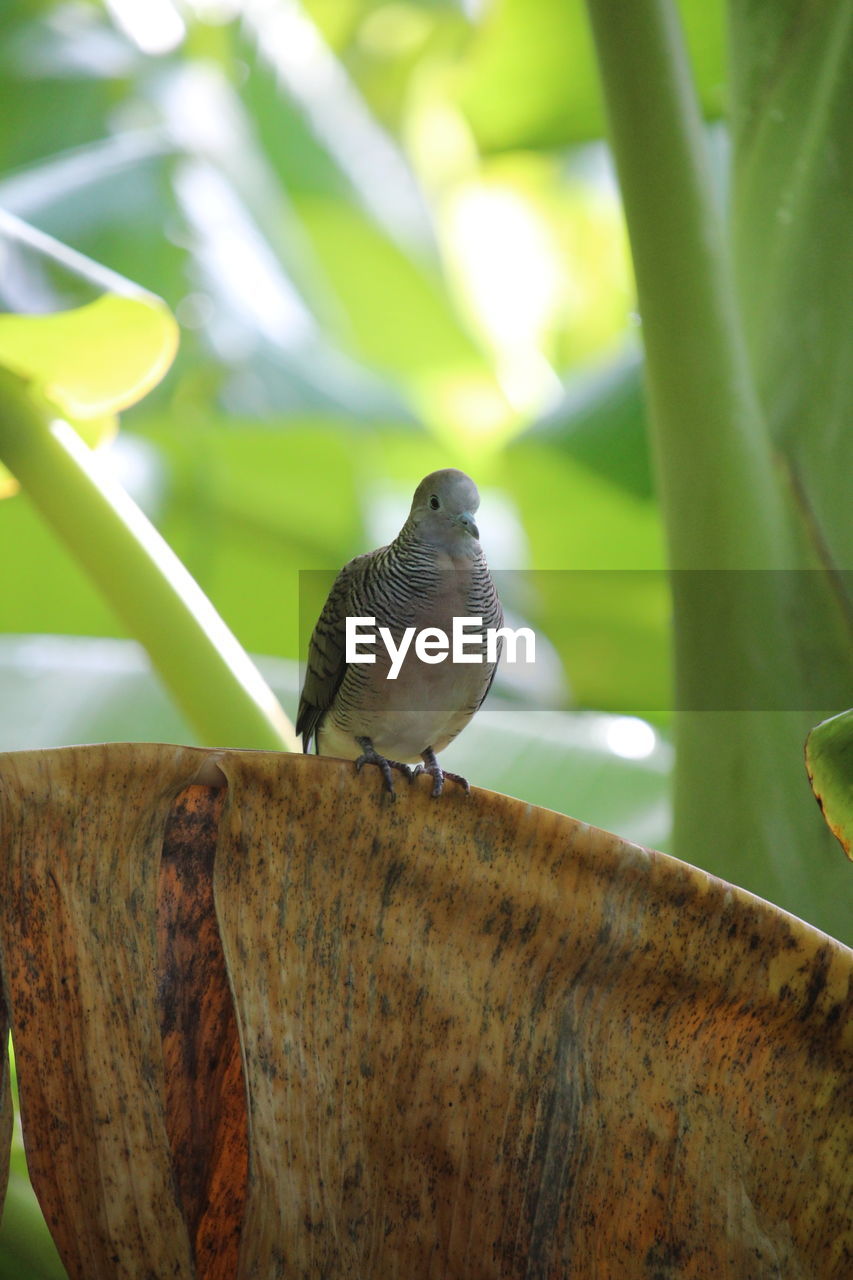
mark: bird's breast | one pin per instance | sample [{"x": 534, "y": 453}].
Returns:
[{"x": 402, "y": 701}]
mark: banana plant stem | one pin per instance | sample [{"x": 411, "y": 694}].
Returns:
[
  {"x": 207, "y": 672},
  {"x": 721, "y": 498}
]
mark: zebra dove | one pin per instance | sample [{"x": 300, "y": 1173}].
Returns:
[{"x": 433, "y": 571}]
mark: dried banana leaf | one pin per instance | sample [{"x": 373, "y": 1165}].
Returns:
[{"x": 478, "y": 1039}]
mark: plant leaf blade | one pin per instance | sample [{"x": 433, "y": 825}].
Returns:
[
  {"x": 96, "y": 359},
  {"x": 83, "y": 833},
  {"x": 829, "y": 762}
]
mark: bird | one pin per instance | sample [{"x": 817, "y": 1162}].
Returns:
[{"x": 433, "y": 571}]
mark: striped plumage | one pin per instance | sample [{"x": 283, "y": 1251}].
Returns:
[{"x": 434, "y": 570}]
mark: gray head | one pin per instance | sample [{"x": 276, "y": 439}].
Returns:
[{"x": 443, "y": 509}]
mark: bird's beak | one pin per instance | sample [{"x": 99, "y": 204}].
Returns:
[{"x": 469, "y": 524}]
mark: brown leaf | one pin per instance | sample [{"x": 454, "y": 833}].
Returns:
[
  {"x": 482, "y": 1039},
  {"x": 5, "y": 1101},
  {"x": 479, "y": 1039},
  {"x": 205, "y": 1095},
  {"x": 83, "y": 833}
]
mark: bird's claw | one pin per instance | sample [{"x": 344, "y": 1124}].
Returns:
[
  {"x": 370, "y": 756},
  {"x": 438, "y": 775}
]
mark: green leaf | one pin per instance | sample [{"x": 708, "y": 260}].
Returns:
[
  {"x": 41, "y": 58},
  {"x": 601, "y": 421},
  {"x": 399, "y": 318},
  {"x": 88, "y": 361},
  {"x": 93, "y": 360},
  {"x": 111, "y": 199},
  {"x": 575, "y": 519},
  {"x": 829, "y": 762},
  {"x": 245, "y": 509},
  {"x": 43, "y": 587},
  {"x": 529, "y": 80},
  {"x": 793, "y": 208},
  {"x": 599, "y": 589}
]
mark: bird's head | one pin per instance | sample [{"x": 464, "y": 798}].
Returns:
[{"x": 443, "y": 511}]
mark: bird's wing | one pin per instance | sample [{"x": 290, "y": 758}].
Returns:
[
  {"x": 496, "y": 621},
  {"x": 326, "y": 663}
]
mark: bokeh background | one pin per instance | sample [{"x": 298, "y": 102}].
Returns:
[{"x": 392, "y": 238}]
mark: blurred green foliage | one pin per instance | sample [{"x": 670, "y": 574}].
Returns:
[
  {"x": 391, "y": 237},
  {"x": 368, "y": 286}
]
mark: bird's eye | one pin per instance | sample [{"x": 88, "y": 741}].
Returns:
[{"x": 434, "y": 502}]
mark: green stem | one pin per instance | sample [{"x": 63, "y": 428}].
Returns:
[
  {"x": 208, "y": 674},
  {"x": 719, "y": 490},
  {"x": 721, "y": 502},
  {"x": 740, "y": 808}
]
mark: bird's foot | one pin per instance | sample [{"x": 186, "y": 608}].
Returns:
[
  {"x": 371, "y": 756},
  {"x": 433, "y": 768}
]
